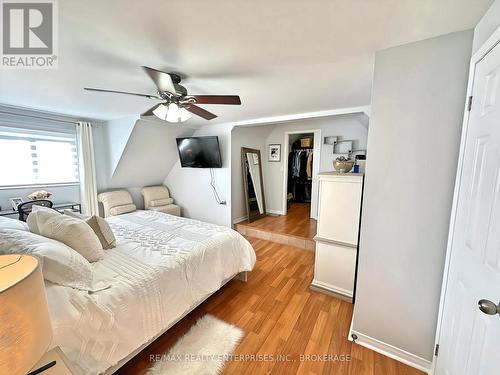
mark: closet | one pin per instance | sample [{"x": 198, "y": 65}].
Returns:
[{"x": 300, "y": 163}]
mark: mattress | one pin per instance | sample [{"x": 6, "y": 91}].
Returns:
[{"x": 163, "y": 266}]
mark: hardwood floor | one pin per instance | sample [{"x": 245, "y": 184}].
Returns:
[
  {"x": 296, "y": 222},
  {"x": 281, "y": 316}
]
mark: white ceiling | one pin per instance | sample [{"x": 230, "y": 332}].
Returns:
[{"x": 281, "y": 56}]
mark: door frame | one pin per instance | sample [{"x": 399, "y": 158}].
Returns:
[
  {"x": 490, "y": 43},
  {"x": 315, "y": 169}
]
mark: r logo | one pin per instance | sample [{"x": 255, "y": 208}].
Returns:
[{"x": 27, "y": 28}]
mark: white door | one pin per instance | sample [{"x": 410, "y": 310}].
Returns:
[{"x": 470, "y": 339}]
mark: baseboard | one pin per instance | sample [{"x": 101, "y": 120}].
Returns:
[
  {"x": 243, "y": 218},
  {"x": 390, "y": 351},
  {"x": 275, "y": 212},
  {"x": 240, "y": 219},
  {"x": 331, "y": 293},
  {"x": 332, "y": 289}
]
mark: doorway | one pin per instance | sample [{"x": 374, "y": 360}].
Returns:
[{"x": 300, "y": 170}]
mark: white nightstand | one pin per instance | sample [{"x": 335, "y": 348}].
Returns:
[{"x": 62, "y": 366}]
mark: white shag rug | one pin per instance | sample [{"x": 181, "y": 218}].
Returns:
[{"x": 203, "y": 350}]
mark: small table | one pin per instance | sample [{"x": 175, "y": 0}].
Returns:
[
  {"x": 62, "y": 366},
  {"x": 74, "y": 206}
]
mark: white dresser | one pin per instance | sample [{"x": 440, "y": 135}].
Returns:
[{"x": 337, "y": 235}]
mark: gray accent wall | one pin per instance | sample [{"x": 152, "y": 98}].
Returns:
[{"x": 417, "y": 108}]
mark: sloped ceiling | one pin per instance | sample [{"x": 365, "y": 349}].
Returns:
[
  {"x": 281, "y": 56},
  {"x": 133, "y": 153}
]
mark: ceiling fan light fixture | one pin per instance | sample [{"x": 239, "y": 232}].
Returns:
[
  {"x": 177, "y": 114},
  {"x": 175, "y": 103},
  {"x": 161, "y": 112},
  {"x": 184, "y": 114}
]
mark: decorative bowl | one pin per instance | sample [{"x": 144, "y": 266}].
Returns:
[{"x": 343, "y": 166}]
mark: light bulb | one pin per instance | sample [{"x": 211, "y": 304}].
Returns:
[
  {"x": 173, "y": 113},
  {"x": 177, "y": 114},
  {"x": 161, "y": 112},
  {"x": 184, "y": 114}
]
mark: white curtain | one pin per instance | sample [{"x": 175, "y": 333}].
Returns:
[{"x": 86, "y": 162}]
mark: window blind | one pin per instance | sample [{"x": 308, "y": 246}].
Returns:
[{"x": 38, "y": 154}]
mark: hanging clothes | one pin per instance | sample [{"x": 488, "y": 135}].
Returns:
[
  {"x": 309, "y": 165},
  {"x": 300, "y": 163},
  {"x": 300, "y": 174}
]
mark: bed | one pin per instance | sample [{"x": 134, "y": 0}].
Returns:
[{"x": 162, "y": 268}]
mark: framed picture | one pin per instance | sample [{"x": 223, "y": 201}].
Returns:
[
  {"x": 16, "y": 201},
  {"x": 274, "y": 153}
]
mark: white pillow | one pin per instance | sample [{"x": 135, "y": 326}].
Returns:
[
  {"x": 32, "y": 220},
  {"x": 100, "y": 227},
  {"x": 60, "y": 264},
  {"x": 161, "y": 202},
  {"x": 76, "y": 215},
  {"x": 9, "y": 223},
  {"x": 32, "y": 223},
  {"x": 75, "y": 233},
  {"x": 124, "y": 209}
]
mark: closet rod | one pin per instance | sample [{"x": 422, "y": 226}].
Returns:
[{"x": 38, "y": 117}]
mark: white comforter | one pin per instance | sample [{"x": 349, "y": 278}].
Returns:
[{"x": 162, "y": 267}]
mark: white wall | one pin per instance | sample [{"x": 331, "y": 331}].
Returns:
[
  {"x": 488, "y": 24},
  {"x": 191, "y": 188},
  {"x": 118, "y": 133},
  {"x": 131, "y": 154},
  {"x": 416, "y": 118}
]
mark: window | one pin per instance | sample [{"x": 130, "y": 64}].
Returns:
[{"x": 37, "y": 158}]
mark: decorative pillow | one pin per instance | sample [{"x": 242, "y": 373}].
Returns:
[
  {"x": 75, "y": 233},
  {"x": 8, "y": 223},
  {"x": 124, "y": 209},
  {"x": 76, "y": 215},
  {"x": 100, "y": 227},
  {"x": 32, "y": 223},
  {"x": 32, "y": 220},
  {"x": 103, "y": 231},
  {"x": 60, "y": 264},
  {"x": 161, "y": 202}
]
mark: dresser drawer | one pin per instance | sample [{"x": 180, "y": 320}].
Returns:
[
  {"x": 334, "y": 268},
  {"x": 339, "y": 210}
]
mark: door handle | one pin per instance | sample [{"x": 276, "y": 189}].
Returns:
[{"x": 488, "y": 307}]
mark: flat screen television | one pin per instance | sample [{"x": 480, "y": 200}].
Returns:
[{"x": 199, "y": 152}]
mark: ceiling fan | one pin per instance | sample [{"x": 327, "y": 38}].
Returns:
[{"x": 176, "y": 105}]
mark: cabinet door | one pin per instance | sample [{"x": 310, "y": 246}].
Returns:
[
  {"x": 339, "y": 209},
  {"x": 334, "y": 268}
]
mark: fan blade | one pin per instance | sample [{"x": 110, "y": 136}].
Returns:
[
  {"x": 162, "y": 80},
  {"x": 200, "y": 112},
  {"x": 149, "y": 112},
  {"x": 217, "y": 99},
  {"x": 122, "y": 92}
]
